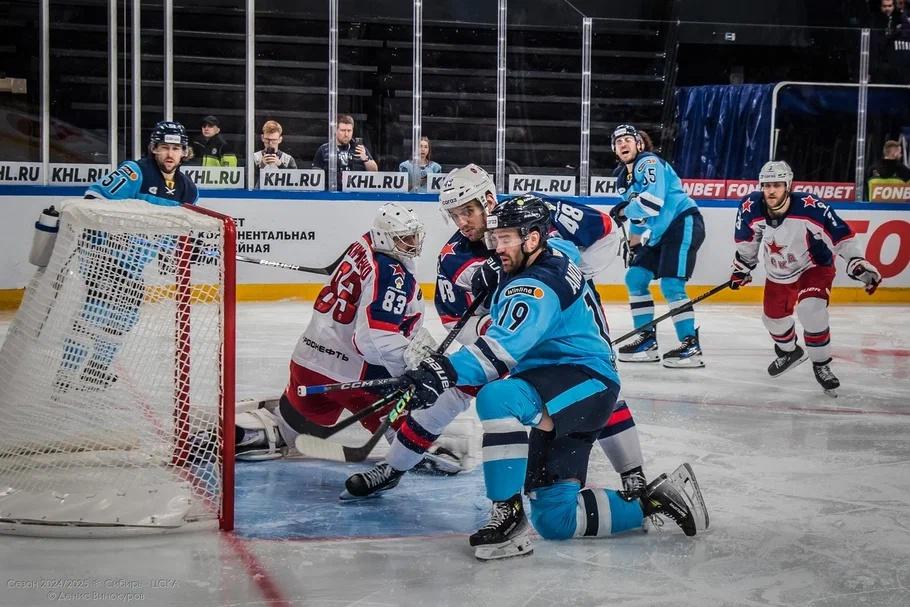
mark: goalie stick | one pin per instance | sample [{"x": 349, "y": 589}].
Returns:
[
  {"x": 688, "y": 306},
  {"x": 313, "y": 446},
  {"x": 289, "y": 266}
]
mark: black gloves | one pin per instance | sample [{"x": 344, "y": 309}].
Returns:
[
  {"x": 431, "y": 378},
  {"x": 616, "y": 213},
  {"x": 486, "y": 279}
]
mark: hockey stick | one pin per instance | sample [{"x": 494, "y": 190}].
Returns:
[
  {"x": 688, "y": 306},
  {"x": 313, "y": 446},
  {"x": 289, "y": 266},
  {"x": 323, "y": 449},
  {"x": 393, "y": 381}
]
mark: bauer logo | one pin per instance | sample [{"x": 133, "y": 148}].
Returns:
[
  {"x": 535, "y": 292},
  {"x": 545, "y": 184},
  {"x": 212, "y": 178},
  {"x": 371, "y": 181}
]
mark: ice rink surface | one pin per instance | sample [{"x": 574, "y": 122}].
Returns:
[{"x": 809, "y": 497}]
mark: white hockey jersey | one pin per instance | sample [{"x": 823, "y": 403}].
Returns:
[
  {"x": 363, "y": 318},
  {"x": 808, "y": 235}
]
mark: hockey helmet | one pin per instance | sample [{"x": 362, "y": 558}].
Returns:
[
  {"x": 775, "y": 171},
  {"x": 463, "y": 185},
  {"x": 526, "y": 212},
  {"x": 168, "y": 131},
  {"x": 624, "y": 130},
  {"x": 397, "y": 231}
]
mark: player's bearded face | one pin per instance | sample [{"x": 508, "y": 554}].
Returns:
[
  {"x": 775, "y": 194},
  {"x": 470, "y": 219},
  {"x": 508, "y": 244},
  {"x": 626, "y": 148},
  {"x": 168, "y": 156}
]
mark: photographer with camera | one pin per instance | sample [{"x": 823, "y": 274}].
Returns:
[
  {"x": 270, "y": 157},
  {"x": 352, "y": 154}
]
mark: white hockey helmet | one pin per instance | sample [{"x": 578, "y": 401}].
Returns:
[
  {"x": 463, "y": 185},
  {"x": 397, "y": 231},
  {"x": 776, "y": 171}
]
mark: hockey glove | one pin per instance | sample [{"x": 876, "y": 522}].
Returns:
[
  {"x": 433, "y": 376},
  {"x": 486, "y": 279},
  {"x": 629, "y": 251},
  {"x": 742, "y": 272},
  {"x": 860, "y": 269},
  {"x": 616, "y": 213}
]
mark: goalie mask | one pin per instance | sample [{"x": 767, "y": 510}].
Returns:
[
  {"x": 463, "y": 185},
  {"x": 397, "y": 231}
]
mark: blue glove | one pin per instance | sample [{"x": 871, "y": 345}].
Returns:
[{"x": 433, "y": 376}]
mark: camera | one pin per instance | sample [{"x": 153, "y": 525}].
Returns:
[
  {"x": 358, "y": 141},
  {"x": 272, "y": 151}
]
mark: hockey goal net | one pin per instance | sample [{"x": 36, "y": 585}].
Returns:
[{"x": 117, "y": 376}]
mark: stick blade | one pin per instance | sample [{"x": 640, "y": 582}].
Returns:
[{"x": 318, "y": 448}]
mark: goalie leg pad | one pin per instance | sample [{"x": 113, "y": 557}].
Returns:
[{"x": 260, "y": 439}]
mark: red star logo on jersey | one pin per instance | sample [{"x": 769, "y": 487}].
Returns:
[
  {"x": 448, "y": 249},
  {"x": 776, "y": 248},
  {"x": 747, "y": 206},
  {"x": 809, "y": 201},
  {"x": 397, "y": 270}
]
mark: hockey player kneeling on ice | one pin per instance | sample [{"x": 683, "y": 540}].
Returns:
[
  {"x": 548, "y": 332},
  {"x": 366, "y": 324},
  {"x": 468, "y": 268},
  {"x": 800, "y": 235}
]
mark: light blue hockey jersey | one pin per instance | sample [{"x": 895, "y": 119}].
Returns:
[
  {"x": 546, "y": 315},
  {"x": 657, "y": 197}
]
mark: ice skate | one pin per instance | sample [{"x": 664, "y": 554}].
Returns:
[
  {"x": 786, "y": 360},
  {"x": 826, "y": 378},
  {"x": 677, "y": 497},
  {"x": 439, "y": 461},
  {"x": 507, "y": 534},
  {"x": 371, "y": 483},
  {"x": 687, "y": 355},
  {"x": 642, "y": 350}
]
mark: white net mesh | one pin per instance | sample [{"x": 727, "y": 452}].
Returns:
[{"x": 111, "y": 375}]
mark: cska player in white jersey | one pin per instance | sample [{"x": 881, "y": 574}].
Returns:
[
  {"x": 364, "y": 323},
  {"x": 800, "y": 235},
  {"x": 467, "y": 267}
]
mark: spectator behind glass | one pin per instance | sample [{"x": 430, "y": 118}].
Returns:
[
  {"x": 210, "y": 149},
  {"x": 418, "y": 176},
  {"x": 891, "y": 166},
  {"x": 270, "y": 157},
  {"x": 351, "y": 156}
]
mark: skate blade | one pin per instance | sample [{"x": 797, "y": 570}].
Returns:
[
  {"x": 831, "y": 392},
  {"x": 350, "y": 497},
  {"x": 516, "y": 546},
  {"x": 638, "y": 358},
  {"x": 686, "y": 479},
  {"x": 693, "y": 362}
]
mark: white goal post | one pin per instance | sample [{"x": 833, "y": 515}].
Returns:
[{"x": 117, "y": 376}]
